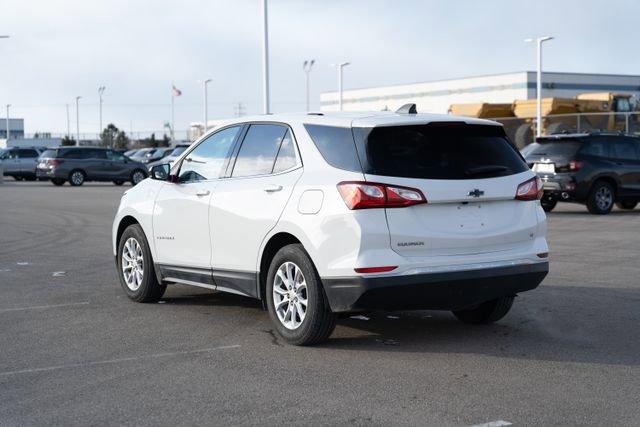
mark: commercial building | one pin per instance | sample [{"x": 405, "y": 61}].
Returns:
[
  {"x": 16, "y": 128},
  {"x": 437, "y": 96}
]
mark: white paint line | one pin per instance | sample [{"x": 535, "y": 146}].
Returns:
[
  {"x": 112, "y": 361},
  {"x": 39, "y": 307},
  {"x": 59, "y": 273},
  {"x": 498, "y": 423},
  {"x": 22, "y": 263},
  {"x": 393, "y": 317},
  {"x": 5, "y": 270},
  {"x": 360, "y": 317}
]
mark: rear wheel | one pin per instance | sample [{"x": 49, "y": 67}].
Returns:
[
  {"x": 76, "y": 178},
  {"x": 57, "y": 181},
  {"x": 135, "y": 267},
  {"x": 548, "y": 203},
  {"x": 296, "y": 300},
  {"x": 137, "y": 176},
  {"x": 487, "y": 312},
  {"x": 600, "y": 199},
  {"x": 627, "y": 204}
]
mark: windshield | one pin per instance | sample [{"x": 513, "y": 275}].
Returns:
[
  {"x": 439, "y": 151},
  {"x": 563, "y": 148}
]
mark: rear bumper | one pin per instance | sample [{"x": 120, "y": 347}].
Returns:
[{"x": 432, "y": 291}]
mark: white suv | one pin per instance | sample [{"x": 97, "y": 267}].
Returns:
[{"x": 319, "y": 214}]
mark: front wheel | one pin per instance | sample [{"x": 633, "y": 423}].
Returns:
[
  {"x": 135, "y": 267},
  {"x": 548, "y": 204},
  {"x": 627, "y": 204},
  {"x": 487, "y": 312},
  {"x": 296, "y": 301},
  {"x": 600, "y": 199},
  {"x": 76, "y": 178}
]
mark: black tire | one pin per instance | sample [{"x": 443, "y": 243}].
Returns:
[
  {"x": 487, "y": 312},
  {"x": 627, "y": 204},
  {"x": 319, "y": 322},
  {"x": 548, "y": 203},
  {"x": 601, "y": 198},
  {"x": 118, "y": 183},
  {"x": 30, "y": 178},
  {"x": 149, "y": 290},
  {"x": 523, "y": 136},
  {"x": 77, "y": 177},
  {"x": 17, "y": 178},
  {"x": 135, "y": 176},
  {"x": 57, "y": 181}
]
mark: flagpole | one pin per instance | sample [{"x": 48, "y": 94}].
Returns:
[{"x": 172, "y": 116}]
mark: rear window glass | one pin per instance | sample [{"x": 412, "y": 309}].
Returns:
[
  {"x": 565, "y": 148},
  {"x": 49, "y": 154},
  {"x": 336, "y": 146},
  {"x": 440, "y": 151}
]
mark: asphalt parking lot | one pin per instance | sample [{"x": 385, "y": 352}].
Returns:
[{"x": 75, "y": 350}]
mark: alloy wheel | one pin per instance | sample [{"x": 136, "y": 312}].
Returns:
[
  {"x": 132, "y": 264},
  {"x": 137, "y": 177},
  {"x": 77, "y": 178},
  {"x": 290, "y": 295},
  {"x": 604, "y": 198}
]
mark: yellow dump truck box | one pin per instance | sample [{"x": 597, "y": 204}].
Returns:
[
  {"x": 526, "y": 108},
  {"x": 482, "y": 110}
]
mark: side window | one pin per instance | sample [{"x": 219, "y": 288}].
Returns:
[
  {"x": 624, "y": 150},
  {"x": 115, "y": 156},
  {"x": 287, "y": 155},
  {"x": 208, "y": 158},
  {"x": 72, "y": 154},
  {"x": 26, "y": 153},
  {"x": 95, "y": 154},
  {"x": 336, "y": 145},
  {"x": 11, "y": 154},
  {"x": 258, "y": 151},
  {"x": 596, "y": 147}
]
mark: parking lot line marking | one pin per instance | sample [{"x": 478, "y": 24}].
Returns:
[
  {"x": 111, "y": 361},
  {"x": 498, "y": 423},
  {"x": 38, "y": 307}
]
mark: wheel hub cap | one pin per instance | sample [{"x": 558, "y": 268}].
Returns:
[
  {"x": 290, "y": 295},
  {"x": 132, "y": 264}
]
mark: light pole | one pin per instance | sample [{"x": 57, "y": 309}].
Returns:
[
  {"x": 68, "y": 122},
  {"x": 265, "y": 58},
  {"x": 340, "y": 66},
  {"x": 100, "y": 92},
  {"x": 7, "y": 121},
  {"x": 78, "y": 120},
  {"x": 539, "y": 42},
  {"x": 306, "y": 67},
  {"x": 205, "y": 111}
]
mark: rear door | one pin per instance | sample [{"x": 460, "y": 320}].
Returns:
[
  {"x": 28, "y": 160},
  {"x": 248, "y": 204},
  {"x": 469, "y": 175},
  {"x": 624, "y": 152}
]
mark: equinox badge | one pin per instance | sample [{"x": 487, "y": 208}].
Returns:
[{"x": 475, "y": 193}]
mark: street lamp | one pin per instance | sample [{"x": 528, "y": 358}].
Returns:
[
  {"x": 7, "y": 121},
  {"x": 265, "y": 57},
  {"x": 78, "y": 120},
  {"x": 340, "y": 66},
  {"x": 204, "y": 88},
  {"x": 306, "y": 67},
  {"x": 100, "y": 92},
  {"x": 539, "y": 42}
]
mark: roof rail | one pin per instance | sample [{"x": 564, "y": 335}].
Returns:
[
  {"x": 407, "y": 109},
  {"x": 315, "y": 114}
]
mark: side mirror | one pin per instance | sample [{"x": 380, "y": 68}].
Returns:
[{"x": 160, "y": 172}]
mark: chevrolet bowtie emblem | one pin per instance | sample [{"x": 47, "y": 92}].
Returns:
[{"x": 475, "y": 193}]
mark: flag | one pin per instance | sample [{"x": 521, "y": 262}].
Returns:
[{"x": 176, "y": 91}]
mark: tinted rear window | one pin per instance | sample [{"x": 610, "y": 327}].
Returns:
[
  {"x": 439, "y": 151},
  {"x": 49, "y": 154},
  {"x": 564, "y": 148},
  {"x": 336, "y": 146}
]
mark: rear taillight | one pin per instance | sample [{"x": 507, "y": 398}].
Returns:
[
  {"x": 368, "y": 195},
  {"x": 384, "y": 269},
  {"x": 53, "y": 162},
  {"x": 530, "y": 189},
  {"x": 575, "y": 165}
]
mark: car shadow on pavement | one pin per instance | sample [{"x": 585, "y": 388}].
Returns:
[{"x": 583, "y": 324}]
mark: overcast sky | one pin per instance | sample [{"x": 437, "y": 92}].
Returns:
[{"x": 136, "y": 48}]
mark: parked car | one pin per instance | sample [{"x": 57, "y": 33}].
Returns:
[
  {"x": 80, "y": 164},
  {"x": 595, "y": 169},
  {"x": 158, "y": 154},
  {"x": 20, "y": 163},
  {"x": 331, "y": 213},
  {"x": 177, "y": 150},
  {"x": 142, "y": 154},
  {"x": 130, "y": 153}
]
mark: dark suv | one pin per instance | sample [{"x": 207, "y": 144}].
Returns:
[
  {"x": 80, "y": 164},
  {"x": 596, "y": 169}
]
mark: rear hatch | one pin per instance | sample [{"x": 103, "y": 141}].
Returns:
[
  {"x": 469, "y": 175},
  {"x": 552, "y": 155}
]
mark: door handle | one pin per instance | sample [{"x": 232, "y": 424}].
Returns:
[
  {"x": 273, "y": 188},
  {"x": 201, "y": 193}
]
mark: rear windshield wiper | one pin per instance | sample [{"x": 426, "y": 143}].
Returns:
[{"x": 483, "y": 170}]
